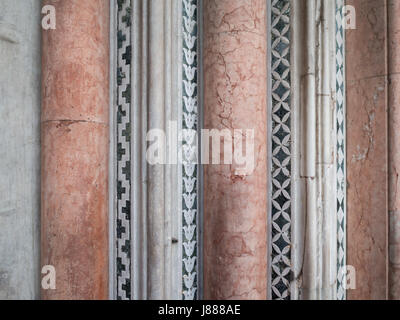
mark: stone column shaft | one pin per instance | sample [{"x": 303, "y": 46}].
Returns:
[
  {"x": 235, "y": 204},
  {"x": 367, "y": 145},
  {"x": 75, "y": 102}
]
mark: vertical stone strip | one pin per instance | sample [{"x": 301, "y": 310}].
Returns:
[
  {"x": 189, "y": 146},
  {"x": 281, "y": 150},
  {"x": 340, "y": 152},
  {"x": 235, "y": 203},
  {"x": 156, "y": 106},
  {"x": 156, "y": 200},
  {"x": 20, "y": 149},
  {"x": 309, "y": 153},
  {"x": 75, "y": 96},
  {"x": 123, "y": 109},
  {"x": 394, "y": 146},
  {"x": 367, "y": 191}
]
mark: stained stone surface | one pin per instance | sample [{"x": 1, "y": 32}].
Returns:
[
  {"x": 367, "y": 143},
  {"x": 75, "y": 94},
  {"x": 394, "y": 147},
  {"x": 235, "y": 205}
]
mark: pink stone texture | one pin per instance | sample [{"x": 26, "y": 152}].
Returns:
[
  {"x": 367, "y": 145},
  {"x": 75, "y": 73},
  {"x": 394, "y": 147},
  {"x": 235, "y": 204}
]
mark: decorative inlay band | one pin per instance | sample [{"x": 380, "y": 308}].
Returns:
[
  {"x": 281, "y": 150},
  {"x": 123, "y": 232},
  {"x": 341, "y": 153},
  {"x": 189, "y": 150}
]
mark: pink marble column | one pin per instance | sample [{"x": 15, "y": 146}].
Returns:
[
  {"x": 367, "y": 145},
  {"x": 75, "y": 73},
  {"x": 235, "y": 91},
  {"x": 394, "y": 146}
]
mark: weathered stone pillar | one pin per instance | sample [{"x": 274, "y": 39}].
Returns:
[
  {"x": 235, "y": 93},
  {"x": 367, "y": 145},
  {"x": 394, "y": 146},
  {"x": 75, "y": 96}
]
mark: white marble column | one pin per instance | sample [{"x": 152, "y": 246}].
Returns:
[
  {"x": 156, "y": 100},
  {"x": 314, "y": 180}
]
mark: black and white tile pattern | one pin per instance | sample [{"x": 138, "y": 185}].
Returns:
[
  {"x": 281, "y": 150},
  {"x": 341, "y": 152},
  {"x": 123, "y": 224}
]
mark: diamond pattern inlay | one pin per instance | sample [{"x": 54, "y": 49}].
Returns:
[
  {"x": 341, "y": 153},
  {"x": 281, "y": 150}
]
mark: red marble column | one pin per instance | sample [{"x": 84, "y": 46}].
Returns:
[
  {"x": 235, "y": 91},
  {"x": 394, "y": 146},
  {"x": 367, "y": 145},
  {"x": 75, "y": 73}
]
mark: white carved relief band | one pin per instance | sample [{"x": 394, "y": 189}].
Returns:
[
  {"x": 190, "y": 169},
  {"x": 307, "y": 143}
]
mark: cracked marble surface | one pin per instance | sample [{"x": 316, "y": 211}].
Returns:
[
  {"x": 74, "y": 157},
  {"x": 367, "y": 192},
  {"x": 235, "y": 89}
]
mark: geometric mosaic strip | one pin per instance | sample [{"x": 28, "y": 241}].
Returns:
[
  {"x": 123, "y": 223},
  {"x": 189, "y": 150},
  {"x": 341, "y": 153},
  {"x": 281, "y": 150}
]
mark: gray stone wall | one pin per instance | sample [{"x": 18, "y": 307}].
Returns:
[{"x": 19, "y": 148}]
